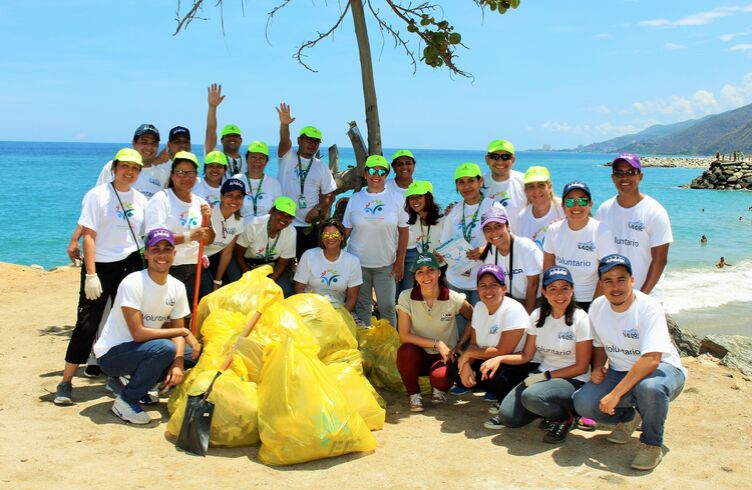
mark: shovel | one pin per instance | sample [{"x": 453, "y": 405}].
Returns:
[{"x": 194, "y": 433}]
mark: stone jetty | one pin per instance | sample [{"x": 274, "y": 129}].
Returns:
[{"x": 725, "y": 175}]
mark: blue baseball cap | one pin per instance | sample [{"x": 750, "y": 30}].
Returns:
[
  {"x": 610, "y": 261},
  {"x": 146, "y": 129},
  {"x": 232, "y": 185},
  {"x": 576, "y": 184},
  {"x": 495, "y": 270},
  {"x": 557, "y": 273}
]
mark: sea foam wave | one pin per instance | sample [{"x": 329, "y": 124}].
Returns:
[{"x": 697, "y": 288}]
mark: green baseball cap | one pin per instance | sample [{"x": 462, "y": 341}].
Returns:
[
  {"x": 215, "y": 157},
  {"x": 186, "y": 155},
  {"x": 501, "y": 145},
  {"x": 230, "y": 129},
  {"x": 311, "y": 132},
  {"x": 419, "y": 188},
  {"x": 258, "y": 147},
  {"x": 286, "y": 205},
  {"x": 377, "y": 161},
  {"x": 428, "y": 259},
  {"x": 536, "y": 174},
  {"x": 402, "y": 153},
  {"x": 467, "y": 169},
  {"x": 128, "y": 155}
]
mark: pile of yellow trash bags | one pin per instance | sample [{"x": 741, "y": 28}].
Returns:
[{"x": 297, "y": 383}]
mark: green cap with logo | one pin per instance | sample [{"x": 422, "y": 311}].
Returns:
[
  {"x": 258, "y": 147},
  {"x": 129, "y": 155},
  {"x": 536, "y": 174},
  {"x": 402, "y": 153},
  {"x": 311, "y": 132},
  {"x": 215, "y": 157},
  {"x": 230, "y": 129},
  {"x": 377, "y": 161},
  {"x": 500, "y": 145},
  {"x": 467, "y": 169},
  {"x": 186, "y": 155},
  {"x": 286, "y": 205},
  {"x": 428, "y": 259},
  {"x": 419, "y": 188}
]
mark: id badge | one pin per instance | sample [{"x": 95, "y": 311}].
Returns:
[{"x": 302, "y": 202}]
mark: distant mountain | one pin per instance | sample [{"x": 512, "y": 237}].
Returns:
[{"x": 726, "y": 132}]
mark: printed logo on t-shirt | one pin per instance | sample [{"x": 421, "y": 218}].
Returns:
[
  {"x": 126, "y": 211},
  {"x": 169, "y": 301},
  {"x": 212, "y": 199},
  {"x": 636, "y": 225},
  {"x": 588, "y": 245},
  {"x": 329, "y": 277},
  {"x": 566, "y": 335},
  {"x": 188, "y": 219},
  {"x": 493, "y": 330},
  {"x": 502, "y": 198},
  {"x": 631, "y": 333},
  {"x": 301, "y": 173},
  {"x": 262, "y": 253},
  {"x": 373, "y": 207},
  {"x": 446, "y": 317}
]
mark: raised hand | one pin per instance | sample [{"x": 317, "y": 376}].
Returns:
[
  {"x": 284, "y": 114},
  {"x": 215, "y": 96}
]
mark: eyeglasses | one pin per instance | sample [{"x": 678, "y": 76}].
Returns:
[
  {"x": 500, "y": 156},
  {"x": 581, "y": 201},
  {"x": 630, "y": 173},
  {"x": 333, "y": 234},
  {"x": 186, "y": 173},
  {"x": 377, "y": 171}
]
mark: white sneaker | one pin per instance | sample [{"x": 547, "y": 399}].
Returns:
[
  {"x": 416, "y": 403},
  {"x": 130, "y": 412},
  {"x": 438, "y": 396}
]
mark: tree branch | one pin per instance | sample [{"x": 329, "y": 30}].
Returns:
[
  {"x": 398, "y": 41},
  {"x": 321, "y": 36}
]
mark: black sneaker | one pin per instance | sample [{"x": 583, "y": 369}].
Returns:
[
  {"x": 545, "y": 424},
  {"x": 558, "y": 431},
  {"x": 92, "y": 371},
  {"x": 494, "y": 423}
]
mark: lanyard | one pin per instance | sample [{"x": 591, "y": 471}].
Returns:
[
  {"x": 258, "y": 192},
  {"x": 303, "y": 174},
  {"x": 426, "y": 236},
  {"x": 268, "y": 252},
  {"x": 234, "y": 164},
  {"x": 467, "y": 229}
]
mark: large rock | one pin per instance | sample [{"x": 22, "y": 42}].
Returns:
[
  {"x": 733, "y": 350},
  {"x": 687, "y": 343}
]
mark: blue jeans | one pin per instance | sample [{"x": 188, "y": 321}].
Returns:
[
  {"x": 408, "y": 279},
  {"x": 472, "y": 297},
  {"x": 650, "y": 396},
  {"x": 550, "y": 399},
  {"x": 146, "y": 363},
  {"x": 380, "y": 280}
]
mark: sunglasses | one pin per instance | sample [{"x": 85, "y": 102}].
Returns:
[
  {"x": 500, "y": 156},
  {"x": 621, "y": 173},
  {"x": 377, "y": 171},
  {"x": 581, "y": 201},
  {"x": 333, "y": 234},
  {"x": 186, "y": 173}
]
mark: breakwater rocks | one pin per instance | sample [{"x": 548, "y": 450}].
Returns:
[
  {"x": 675, "y": 162},
  {"x": 723, "y": 175},
  {"x": 734, "y": 351}
]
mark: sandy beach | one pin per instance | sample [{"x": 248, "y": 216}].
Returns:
[{"x": 708, "y": 433}]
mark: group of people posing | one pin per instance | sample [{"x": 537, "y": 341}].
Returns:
[{"x": 552, "y": 312}]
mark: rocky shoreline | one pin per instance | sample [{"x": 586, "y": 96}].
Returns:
[
  {"x": 725, "y": 175},
  {"x": 674, "y": 162}
]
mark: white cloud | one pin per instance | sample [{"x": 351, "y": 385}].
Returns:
[
  {"x": 603, "y": 36},
  {"x": 736, "y": 96},
  {"x": 700, "y": 103},
  {"x": 741, "y": 47},
  {"x": 699, "y": 18},
  {"x": 673, "y": 46},
  {"x": 602, "y": 109},
  {"x": 607, "y": 129},
  {"x": 728, "y": 37},
  {"x": 703, "y": 98},
  {"x": 655, "y": 23}
]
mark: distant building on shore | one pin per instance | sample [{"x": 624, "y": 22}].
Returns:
[{"x": 546, "y": 147}]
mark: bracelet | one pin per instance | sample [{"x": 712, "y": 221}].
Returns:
[
  {"x": 217, "y": 282},
  {"x": 547, "y": 375},
  {"x": 434, "y": 343},
  {"x": 187, "y": 237}
]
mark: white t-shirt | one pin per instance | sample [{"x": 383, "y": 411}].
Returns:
[
  {"x": 166, "y": 210},
  {"x": 318, "y": 180},
  {"x": 427, "y": 238},
  {"x": 224, "y": 230},
  {"x": 236, "y": 165},
  {"x": 211, "y": 195},
  {"x": 636, "y": 230},
  {"x": 453, "y": 226},
  {"x": 627, "y": 336},
  {"x": 264, "y": 191},
  {"x": 101, "y": 211},
  {"x": 509, "y": 193},
  {"x": 150, "y": 180},
  {"x": 536, "y": 228},
  {"x": 329, "y": 279},
  {"x": 556, "y": 342},
  {"x": 259, "y": 246},
  {"x": 510, "y": 315},
  {"x": 157, "y": 304},
  {"x": 374, "y": 220},
  {"x": 392, "y": 184},
  {"x": 579, "y": 251},
  {"x": 528, "y": 261}
]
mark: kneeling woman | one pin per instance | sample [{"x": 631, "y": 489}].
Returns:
[
  {"x": 135, "y": 341},
  {"x": 560, "y": 335},
  {"x": 270, "y": 240},
  {"x": 426, "y": 320}
]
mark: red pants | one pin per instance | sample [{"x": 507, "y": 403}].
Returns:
[{"x": 414, "y": 361}]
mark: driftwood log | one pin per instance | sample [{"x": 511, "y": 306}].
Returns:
[{"x": 352, "y": 177}]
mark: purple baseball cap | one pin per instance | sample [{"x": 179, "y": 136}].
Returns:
[
  {"x": 157, "y": 235},
  {"x": 495, "y": 270},
  {"x": 630, "y": 158},
  {"x": 494, "y": 215}
]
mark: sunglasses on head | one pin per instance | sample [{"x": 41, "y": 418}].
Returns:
[
  {"x": 500, "y": 156},
  {"x": 631, "y": 172},
  {"x": 581, "y": 201},
  {"x": 377, "y": 171},
  {"x": 330, "y": 234}
]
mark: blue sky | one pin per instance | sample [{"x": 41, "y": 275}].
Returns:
[{"x": 558, "y": 73}]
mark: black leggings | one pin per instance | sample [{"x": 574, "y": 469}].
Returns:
[
  {"x": 90, "y": 312},
  {"x": 506, "y": 377}
]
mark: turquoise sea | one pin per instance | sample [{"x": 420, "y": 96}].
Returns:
[{"x": 43, "y": 184}]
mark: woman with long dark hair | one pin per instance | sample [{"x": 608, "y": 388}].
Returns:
[{"x": 425, "y": 222}]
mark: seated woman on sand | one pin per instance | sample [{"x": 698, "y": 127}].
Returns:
[{"x": 427, "y": 324}]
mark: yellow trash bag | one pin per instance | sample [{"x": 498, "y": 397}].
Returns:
[
  {"x": 352, "y": 357},
  {"x": 360, "y": 394},
  {"x": 324, "y": 322},
  {"x": 222, "y": 325},
  {"x": 235, "y": 419},
  {"x": 303, "y": 414},
  {"x": 276, "y": 324},
  {"x": 349, "y": 321},
  {"x": 245, "y": 295}
]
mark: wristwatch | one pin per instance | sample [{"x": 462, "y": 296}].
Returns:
[{"x": 547, "y": 374}]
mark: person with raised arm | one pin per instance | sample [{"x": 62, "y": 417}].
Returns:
[
  {"x": 231, "y": 137},
  {"x": 262, "y": 189}
]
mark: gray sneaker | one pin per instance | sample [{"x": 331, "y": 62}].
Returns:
[
  {"x": 63, "y": 393},
  {"x": 623, "y": 431},
  {"x": 130, "y": 412},
  {"x": 647, "y": 457}
]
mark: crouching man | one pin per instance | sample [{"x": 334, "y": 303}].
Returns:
[
  {"x": 644, "y": 370},
  {"x": 135, "y": 344}
]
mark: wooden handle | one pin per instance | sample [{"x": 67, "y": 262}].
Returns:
[{"x": 246, "y": 333}]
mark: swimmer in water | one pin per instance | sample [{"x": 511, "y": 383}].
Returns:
[
  {"x": 703, "y": 240},
  {"x": 722, "y": 263}
]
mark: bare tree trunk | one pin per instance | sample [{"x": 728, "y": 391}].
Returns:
[{"x": 366, "y": 71}]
